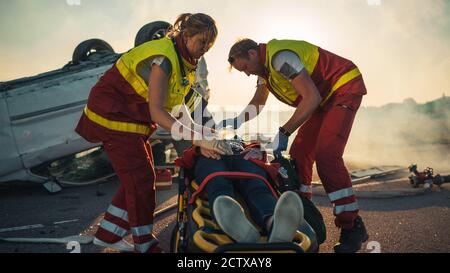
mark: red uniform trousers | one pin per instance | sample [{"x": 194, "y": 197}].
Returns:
[
  {"x": 133, "y": 205},
  {"x": 322, "y": 139}
]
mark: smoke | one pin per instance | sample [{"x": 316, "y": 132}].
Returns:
[
  {"x": 404, "y": 55},
  {"x": 402, "y": 134}
]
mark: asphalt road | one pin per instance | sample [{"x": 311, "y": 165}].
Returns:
[{"x": 398, "y": 225}]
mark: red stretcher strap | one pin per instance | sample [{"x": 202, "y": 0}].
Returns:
[{"x": 230, "y": 175}]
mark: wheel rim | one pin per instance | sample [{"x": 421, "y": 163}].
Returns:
[{"x": 160, "y": 33}]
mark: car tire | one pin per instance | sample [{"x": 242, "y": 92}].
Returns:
[
  {"x": 89, "y": 47},
  {"x": 151, "y": 31}
]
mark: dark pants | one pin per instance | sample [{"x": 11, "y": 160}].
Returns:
[{"x": 258, "y": 197}]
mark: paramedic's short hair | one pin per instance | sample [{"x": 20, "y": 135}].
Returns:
[{"x": 240, "y": 49}]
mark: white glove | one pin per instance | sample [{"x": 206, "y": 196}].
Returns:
[{"x": 218, "y": 145}]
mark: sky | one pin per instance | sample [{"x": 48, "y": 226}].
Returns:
[{"x": 402, "y": 47}]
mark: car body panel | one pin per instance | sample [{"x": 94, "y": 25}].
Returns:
[{"x": 38, "y": 116}]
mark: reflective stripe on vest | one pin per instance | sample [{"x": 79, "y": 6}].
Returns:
[
  {"x": 309, "y": 55},
  {"x": 120, "y": 126},
  {"x": 177, "y": 90},
  {"x": 194, "y": 101},
  {"x": 342, "y": 80}
]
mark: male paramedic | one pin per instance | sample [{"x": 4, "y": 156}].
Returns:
[{"x": 326, "y": 91}]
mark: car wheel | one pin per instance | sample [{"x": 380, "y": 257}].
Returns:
[
  {"x": 151, "y": 31},
  {"x": 89, "y": 47}
]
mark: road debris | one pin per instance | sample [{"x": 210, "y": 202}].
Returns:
[{"x": 426, "y": 177}]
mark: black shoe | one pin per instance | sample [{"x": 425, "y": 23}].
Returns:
[{"x": 351, "y": 239}]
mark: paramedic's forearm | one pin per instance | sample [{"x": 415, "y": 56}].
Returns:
[
  {"x": 157, "y": 93},
  {"x": 195, "y": 124},
  {"x": 167, "y": 121},
  {"x": 301, "y": 115},
  {"x": 249, "y": 112},
  {"x": 311, "y": 99},
  {"x": 186, "y": 119},
  {"x": 256, "y": 105}
]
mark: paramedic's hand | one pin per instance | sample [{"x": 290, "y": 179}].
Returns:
[
  {"x": 209, "y": 154},
  {"x": 231, "y": 122},
  {"x": 217, "y": 145},
  {"x": 279, "y": 143}
]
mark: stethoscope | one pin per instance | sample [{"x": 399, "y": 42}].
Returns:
[{"x": 184, "y": 80}]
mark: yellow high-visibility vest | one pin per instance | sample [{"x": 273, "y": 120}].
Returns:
[
  {"x": 178, "y": 87},
  {"x": 309, "y": 55}
]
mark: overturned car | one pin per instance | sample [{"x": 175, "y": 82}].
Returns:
[{"x": 38, "y": 114}]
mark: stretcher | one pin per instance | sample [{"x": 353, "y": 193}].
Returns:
[{"x": 196, "y": 231}]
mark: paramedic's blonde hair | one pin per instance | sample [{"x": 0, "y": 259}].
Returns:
[
  {"x": 189, "y": 24},
  {"x": 240, "y": 49}
]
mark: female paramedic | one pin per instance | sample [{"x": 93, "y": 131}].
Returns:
[{"x": 145, "y": 87}]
